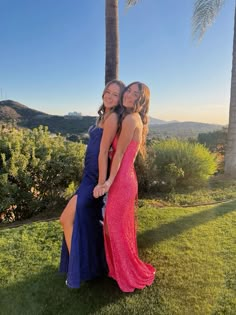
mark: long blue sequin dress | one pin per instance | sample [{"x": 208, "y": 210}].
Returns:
[{"x": 87, "y": 257}]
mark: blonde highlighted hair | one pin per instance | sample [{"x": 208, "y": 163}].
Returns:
[{"x": 141, "y": 106}]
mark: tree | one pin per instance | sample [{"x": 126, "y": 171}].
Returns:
[
  {"x": 112, "y": 38},
  {"x": 205, "y": 12}
]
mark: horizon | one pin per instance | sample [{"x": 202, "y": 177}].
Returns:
[
  {"x": 78, "y": 112},
  {"x": 54, "y": 57}
]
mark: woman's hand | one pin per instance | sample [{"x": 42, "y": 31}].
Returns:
[{"x": 100, "y": 190}]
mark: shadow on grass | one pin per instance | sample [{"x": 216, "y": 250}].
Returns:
[
  {"x": 172, "y": 229},
  {"x": 46, "y": 293}
]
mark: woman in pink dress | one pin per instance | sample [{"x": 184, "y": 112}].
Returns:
[{"x": 122, "y": 257}]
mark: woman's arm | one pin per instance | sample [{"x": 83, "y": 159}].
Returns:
[
  {"x": 127, "y": 132},
  {"x": 109, "y": 131}
]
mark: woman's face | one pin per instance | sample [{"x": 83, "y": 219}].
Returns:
[
  {"x": 131, "y": 95},
  {"x": 111, "y": 96}
]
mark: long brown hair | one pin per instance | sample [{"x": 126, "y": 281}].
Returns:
[
  {"x": 141, "y": 106},
  {"x": 117, "y": 108}
]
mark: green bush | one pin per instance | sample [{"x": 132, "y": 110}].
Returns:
[
  {"x": 141, "y": 168},
  {"x": 37, "y": 170},
  {"x": 179, "y": 164},
  {"x": 215, "y": 140}
]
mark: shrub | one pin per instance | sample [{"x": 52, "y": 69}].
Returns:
[
  {"x": 37, "y": 169},
  {"x": 179, "y": 164},
  {"x": 141, "y": 168}
]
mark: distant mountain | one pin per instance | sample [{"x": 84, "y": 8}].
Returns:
[
  {"x": 186, "y": 129},
  {"x": 156, "y": 121},
  {"x": 23, "y": 116}
]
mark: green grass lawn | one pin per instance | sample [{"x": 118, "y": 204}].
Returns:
[{"x": 193, "y": 250}]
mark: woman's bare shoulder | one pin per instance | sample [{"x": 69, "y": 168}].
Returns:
[
  {"x": 113, "y": 115},
  {"x": 111, "y": 118},
  {"x": 129, "y": 120},
  {"x": 132, "y": 117}
]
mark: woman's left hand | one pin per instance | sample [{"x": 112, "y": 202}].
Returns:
[{"x": 100, "y": 190}]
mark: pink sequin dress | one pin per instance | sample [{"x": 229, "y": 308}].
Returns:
[{"x": 119, "y": 228}]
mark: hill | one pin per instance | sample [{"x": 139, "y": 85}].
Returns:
[
  {"x": 156, "y": 121},
  {"x": 23, "y": 116},
  {"x": 187, "y": 129}
]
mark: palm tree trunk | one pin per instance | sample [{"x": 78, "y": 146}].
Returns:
[
  {"x": 230, "y": 155},
  {"x": 112, "y": 40}
]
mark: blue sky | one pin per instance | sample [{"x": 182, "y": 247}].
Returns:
[{"x": 52, "y": 56}]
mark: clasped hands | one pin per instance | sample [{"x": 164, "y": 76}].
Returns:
[{"x": 101, "y": 189}]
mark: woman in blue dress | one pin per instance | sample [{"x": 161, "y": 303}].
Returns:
[{"x": 82, "y": 254}]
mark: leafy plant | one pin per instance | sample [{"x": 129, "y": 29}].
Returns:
[
  {"x": 36, "y": 170},
  {"x": 177, "y": 164}
]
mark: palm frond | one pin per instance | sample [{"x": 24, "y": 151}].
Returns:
[
  {"x": 205, "y": 12},
  {"x": 131, "y": 3}
]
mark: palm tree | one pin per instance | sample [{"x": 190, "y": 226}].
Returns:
[
  {"x": 112, "y": 38},
  {"x": 205, "y": 12}
]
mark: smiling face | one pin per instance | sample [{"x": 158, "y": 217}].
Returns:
[
  {"x": 111, "y": 96},
  {"x": 131, "y": 95}
]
